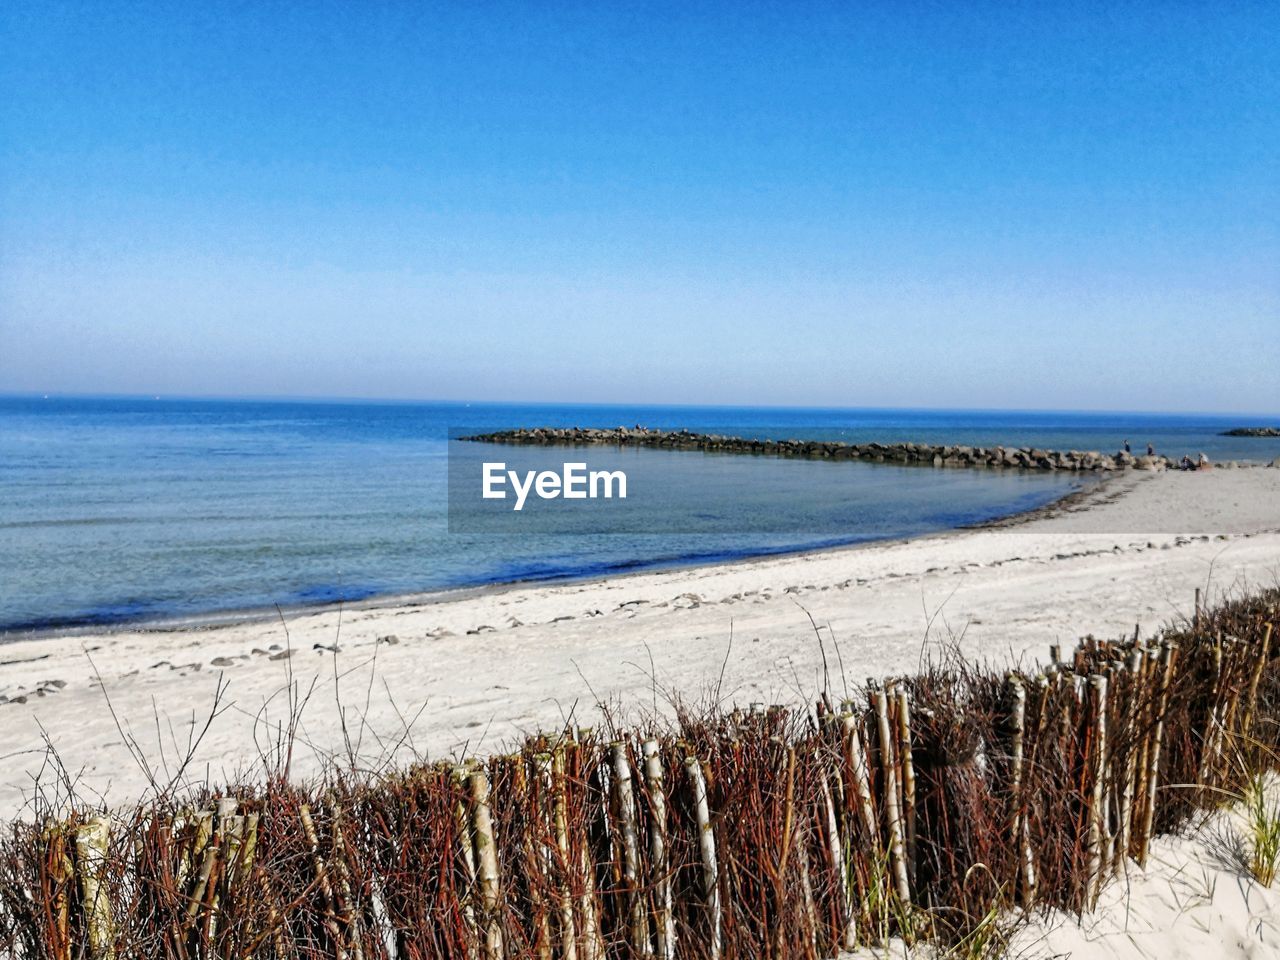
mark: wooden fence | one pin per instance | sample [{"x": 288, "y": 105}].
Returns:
[{"x": 765, "y": 832}]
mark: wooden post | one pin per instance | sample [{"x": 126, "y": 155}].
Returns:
[
  {"x": 486, "y": 863},
  {"x": 592, "y": 935},
  {"x": 660, "y": 879},
  {"x": 60, "y": 877},
  {"x": 322, "y": 879},
  {"x": 893, "y": 816},
  {"x": 1096, "y": 826},
  {"x": 248, "y": 848},
  {"x": 560, "y": 817},
  {"x": 1168, "y": 656},
  {"x": 1019, "y": 830},
  {"x": 788, "y": 843},
  {"x": 1125, "y": 813},
  {"x": 625, "y": 804},
  {"x": 861, "y": 776},
  {"x": 1246, "y": 725},
  {"x": 204, "y": 853},
  {"x": 382, "y": 921},
  {"x": 458, "y": 778},
  {"x": 92, "y": 839},
  {"x": 351, "y": 918},
  {"x": 1213, "y": 722},
  {"x": 707, "y": 847},
  {"x": 849, "y": 934},
  {"x": 907, "y": 764},
  {"x": 537, "y": 848}
]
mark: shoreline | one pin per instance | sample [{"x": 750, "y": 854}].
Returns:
[
  {"x": 465, "y": 673},
  {"x": 1071, "y": 500}
]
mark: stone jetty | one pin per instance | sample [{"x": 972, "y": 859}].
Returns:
[
  {"x": 1252, "y": 432},
  {"x": 921, "y": 454}
]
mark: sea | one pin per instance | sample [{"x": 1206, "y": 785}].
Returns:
[{"x": 123, "y": 512}]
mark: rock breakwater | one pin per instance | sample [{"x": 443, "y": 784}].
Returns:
[
  {"x": 1252, "y": 432},
  {"x": 921, "y": 454}
]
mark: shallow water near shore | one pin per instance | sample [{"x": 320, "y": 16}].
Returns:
[{"x": 117, "y": 511}]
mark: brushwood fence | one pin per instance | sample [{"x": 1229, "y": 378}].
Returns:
[{"x": 773, "y": 832}]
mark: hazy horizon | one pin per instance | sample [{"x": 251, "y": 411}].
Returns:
[
  {"x": 554, "y": 402},
  {"x": 985, "y": 207}
]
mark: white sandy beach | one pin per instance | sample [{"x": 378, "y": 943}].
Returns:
[{"x": 472, "y": 673}]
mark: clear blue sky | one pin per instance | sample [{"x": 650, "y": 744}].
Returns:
[{"x": 975, "y": 205}]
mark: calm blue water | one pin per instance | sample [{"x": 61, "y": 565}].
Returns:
[{"x": 114, "y": 510}]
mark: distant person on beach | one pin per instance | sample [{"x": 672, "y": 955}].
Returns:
[
  {"x": 1151, "y": 450},
  {"x": 1126, "y": 447},
  {"x": 1203, "y": 462}
]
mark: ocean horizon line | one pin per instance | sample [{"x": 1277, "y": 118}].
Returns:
[{"x": 343, "y": 400}]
